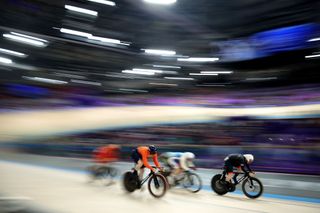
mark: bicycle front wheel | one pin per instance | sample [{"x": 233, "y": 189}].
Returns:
[
  {"x": 157, "y": 185},
  {"x": 192, "y": 182},
  {"x": 252, "y": 187}
]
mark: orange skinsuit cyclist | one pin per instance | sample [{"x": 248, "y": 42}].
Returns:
[
  {"x": 106, "y": 154},
  {"x": 140, "y": 156}
]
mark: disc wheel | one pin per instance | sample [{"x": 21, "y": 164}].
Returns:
[
  {"x": 130, "y": 182},
  {"x": 217, "y": 186}
]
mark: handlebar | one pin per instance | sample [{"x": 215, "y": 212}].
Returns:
[{"x": 159, "y": 169}]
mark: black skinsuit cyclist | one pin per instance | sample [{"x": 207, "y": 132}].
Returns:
[{"x": 241, "y": 162}]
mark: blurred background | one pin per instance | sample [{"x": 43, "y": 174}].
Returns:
[{"x": 209, "y": 76}]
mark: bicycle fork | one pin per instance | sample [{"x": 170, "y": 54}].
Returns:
[{"x": 156, "y": 182}]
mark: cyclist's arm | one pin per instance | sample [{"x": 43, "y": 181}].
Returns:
[
  {"x": 145, "y": 161},
  {"x": 155, "y": 160},
  {"x": 183, "y": 164},
  {"x": 245, "y": 167}
]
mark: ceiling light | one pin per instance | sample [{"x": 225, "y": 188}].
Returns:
[
  {"x": 165, "y": 2},
  {"x": 5, "y": 60},
  {"x": 159, "y": 52},
  {"x": 164, "y": 84},
  {"x": 217, "y": 72},
  {"x": 261, "y": 79},
  {"x": 138, "y": 72},
  {"x": 45, "y": 80},
  {"x": 312, "y": 56},
  {"x": 25, "y": 40},
  {"x": 92, "y": 37},
  {"x": 203, "y": 74},
  {"x": 14, "y": 53},
  {"x": 102, "y": 39},
  {"x": 27, "y": 36},
  {"x": 178, "y": 78},
  {"x": 169, "y": 72},
  {"x": 198, "y": 59},
  {"x": 110, "y": 3},
  {"x": 81, "y": 10},
  {"x": 75, "y": 32},
  {"x": 147, "y": 70},
  {"x": 314, "y": 39},
  {"x": 165, "y": 66}
]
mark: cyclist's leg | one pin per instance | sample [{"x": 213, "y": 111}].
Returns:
[
  {"x": 136, "y": 158},
  {"x": 139, "y": 167},
  {"x": 236, "y": 175},
  {"x": 229, "y": 171},
  {"x": 174, "y": 165}
]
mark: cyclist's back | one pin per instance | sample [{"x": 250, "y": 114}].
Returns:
[
  {"x": 106, "y": 154},
  {"x": 235, "y": 160},
  {"x": 167, "y": 155}
]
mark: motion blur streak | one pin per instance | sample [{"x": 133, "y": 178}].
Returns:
[
  {"x": 5, "y": 60},
  {"x": 161, "y": 1},
  {"x": 28, "y": 124},
  {"x": 110, "y": 3},
  {"x": 81, "y": 10},
  {"x": 25, "y": 40},
  {"x": 14, "y": 53}
]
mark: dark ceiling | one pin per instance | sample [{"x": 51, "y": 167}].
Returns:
[{"x": 189, "y": 27}]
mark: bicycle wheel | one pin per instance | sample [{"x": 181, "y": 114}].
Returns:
[
  {"x": 168, "y": 178},
  {"x": 130, "y": 181},
  {"x": 157, "y": 185},
  {"x": 192, "y": 182},
  {"x": 91, "y": 172},
  {"x": 252, "y": 187},
  {"x": 217, "y": 186},
  {"x": 113, "y": 172},
  {"x": 103, "y": 175}
]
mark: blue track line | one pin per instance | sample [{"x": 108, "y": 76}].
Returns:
[{"x": 274, "y": 196}]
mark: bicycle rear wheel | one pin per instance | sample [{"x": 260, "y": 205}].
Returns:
[
  {"x": 130, "y": 181},
  {"x": 192, "y": 182},
  {"x": 217, "y": 185},
  {"x": 157, "y": 185}
]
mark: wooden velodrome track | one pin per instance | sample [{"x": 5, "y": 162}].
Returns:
[{"x": 63, "y": 191}]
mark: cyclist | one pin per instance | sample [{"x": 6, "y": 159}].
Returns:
[
  {"x": 106, "y": 154},
  {"x": 178, "y": 161},
  {"x": 241, "y": 162},
  {"x": 140, "y": 156}
]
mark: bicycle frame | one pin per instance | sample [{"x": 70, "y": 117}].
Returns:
[
  {"x": 146, "y": 178},
  {"x": 185, "y": 174},
  {"x": 150, "y": 175},
  {"x": 244, "y": 176}
]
